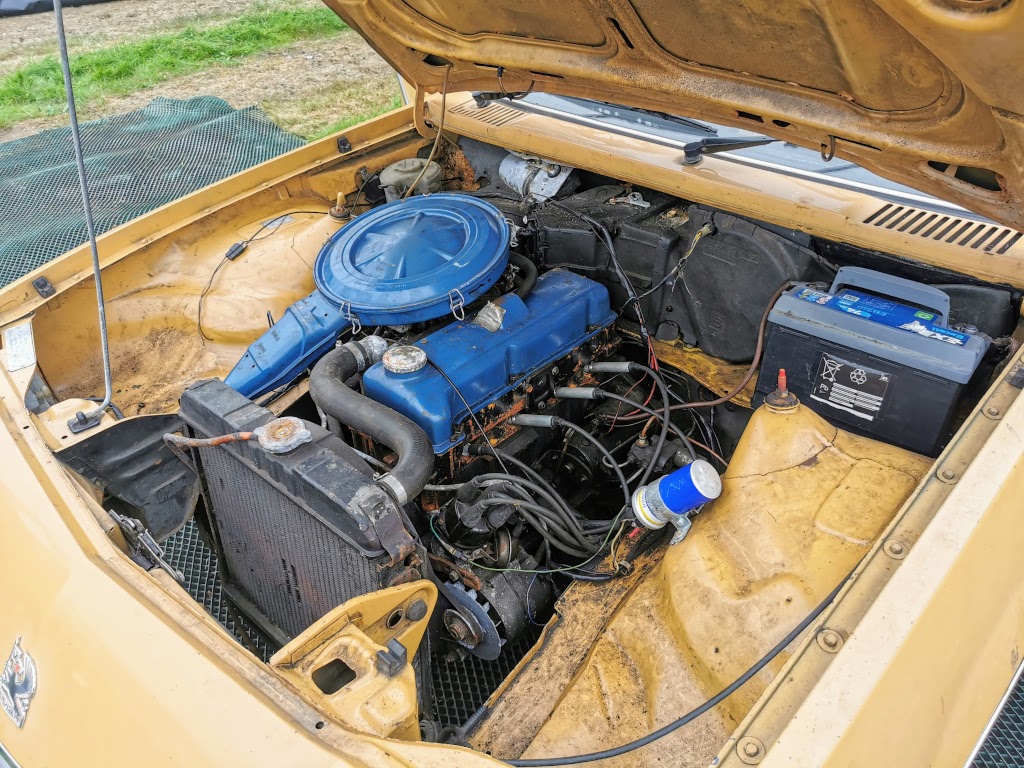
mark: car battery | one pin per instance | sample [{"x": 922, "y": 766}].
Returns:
[{"x": 875, "y": 355}]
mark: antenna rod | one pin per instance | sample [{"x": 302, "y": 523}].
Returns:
[{"x": 83, "y": 421}]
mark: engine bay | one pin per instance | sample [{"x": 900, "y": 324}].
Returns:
[{"x": 532, "y": 385}]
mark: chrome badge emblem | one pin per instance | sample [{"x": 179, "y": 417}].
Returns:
[{"x": 18, "y": 684}]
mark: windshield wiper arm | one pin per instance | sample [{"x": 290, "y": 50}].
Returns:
[{"x": 695, "y": 150}]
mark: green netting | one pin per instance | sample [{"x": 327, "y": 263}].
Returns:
[{"x": 135, "y": 162}]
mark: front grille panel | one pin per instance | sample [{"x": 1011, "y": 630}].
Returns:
[{"x": 290, "y": 565}]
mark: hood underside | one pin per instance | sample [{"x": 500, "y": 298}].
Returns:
[{"x": 926, "y": 92}]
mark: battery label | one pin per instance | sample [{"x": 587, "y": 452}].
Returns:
[
  {"x": 885, "y": 312},
  {"x": 850, "y": 387}
]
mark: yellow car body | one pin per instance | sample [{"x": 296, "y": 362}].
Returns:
[{"x": 909, "y": 664}]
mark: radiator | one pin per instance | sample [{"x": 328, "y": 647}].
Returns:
[{"x": 293, "y": 541}]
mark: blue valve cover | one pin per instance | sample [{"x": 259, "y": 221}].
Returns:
[
  {"x": 562, "y": 312},
  {"x": 412, "y": 260}
]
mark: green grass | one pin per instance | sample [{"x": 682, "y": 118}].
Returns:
[
  {"x": 348, "y": 122},
  {"x": 37, "y": 89}
]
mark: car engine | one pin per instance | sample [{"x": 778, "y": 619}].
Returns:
[{"x": 486, "y": 408}]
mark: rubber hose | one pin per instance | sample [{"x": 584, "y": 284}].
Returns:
[
  {"x": 528, "y": 272},
  {"x": 415, "y": 453}
]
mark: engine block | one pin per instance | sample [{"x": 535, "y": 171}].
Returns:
[{"x": 489, "y": 355}]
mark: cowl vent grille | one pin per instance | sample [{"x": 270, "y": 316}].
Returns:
[
  {"x": 944, "y": 228},
  {"x": 492, "y": 114}
]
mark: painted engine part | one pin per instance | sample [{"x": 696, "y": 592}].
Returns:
[
  {"x": 562, "y": 312},
  {"x": 406, "y": 262},
  {"x": 674, "y": 495}
]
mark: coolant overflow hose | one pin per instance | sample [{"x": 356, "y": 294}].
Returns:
[{"x": 328, "y": 389}]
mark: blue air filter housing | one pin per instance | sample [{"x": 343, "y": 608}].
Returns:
[
  {"x": 412, "y": 260},
  {"x": 406, "y": 262}
]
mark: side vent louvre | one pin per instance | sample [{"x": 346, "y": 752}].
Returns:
[
  {"x": 492, "y": 114},
  {"x": 943, "y": 228}
]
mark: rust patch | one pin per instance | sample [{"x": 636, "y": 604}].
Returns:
[{"x": 460, "y": 176}]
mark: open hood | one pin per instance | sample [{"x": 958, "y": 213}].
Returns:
[{"x": 926, "y": 93}]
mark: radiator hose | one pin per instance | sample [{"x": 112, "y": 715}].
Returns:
[
  {"x": 527, "y": 274},
  {"x": 328, "y": 389}
]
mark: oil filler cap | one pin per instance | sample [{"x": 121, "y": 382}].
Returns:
[
  {"x": 414, "y": 260},
  {"x": 404, "y": 358}
]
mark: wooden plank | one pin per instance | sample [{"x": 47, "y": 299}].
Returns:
[{"x": 519, "y": 708}]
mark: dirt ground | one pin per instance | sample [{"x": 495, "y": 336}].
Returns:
[{"x": 306, "y": 87}]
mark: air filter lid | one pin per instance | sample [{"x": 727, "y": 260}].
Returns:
[{"x": 414, "y": 260}]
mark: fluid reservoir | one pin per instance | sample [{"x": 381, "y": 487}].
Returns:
[
  {"x": 398, "y": 177},
  {"x": 801, "y": 503}
]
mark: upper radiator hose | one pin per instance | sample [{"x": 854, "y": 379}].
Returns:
[{"x": 328, "y": 389}]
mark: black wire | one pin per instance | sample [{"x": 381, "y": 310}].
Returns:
[
  {"x": 569, "y": 517},
  {"x": 660, "y": 417},
  {"x": 605, "y": 237},
  {"x": 279, "y": 221},
  {"x": 570, "y": 536},
  {"x": 666, "y": 421},
  {"x": 202, "y": 297},
  {"x": 537, "y": 478},
  {"x": 692, "y": 715},
  {"x": 604, "y": 451},
  {"x": 355, "y": 200},
  {"x": 483, "y": 432}
]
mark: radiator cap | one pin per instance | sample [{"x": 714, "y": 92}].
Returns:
[{"x": 414, "y": 260}]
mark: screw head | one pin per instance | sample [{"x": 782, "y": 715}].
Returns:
[
  {"x": 993, "y": 411},
  {"x": 750, "y": 750},
  {"x": 829, "y": 640},
  {"x": 895, "y": 549},
  {"x": 417, "y": 610},
  {"x": 947, "y": 474}
]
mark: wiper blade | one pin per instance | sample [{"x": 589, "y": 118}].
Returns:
[
  {"x": 696, "y": 125},
  {"x": 694, "y": 152}
]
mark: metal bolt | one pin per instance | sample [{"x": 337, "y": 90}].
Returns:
[
  {"x": 947, "y": 474},
  {"x": 897, "y": 550},
  {"x": 554, "y": 371},
  {"x": 417, "y": 610},
  {"x": 542, "y": 406},
  {"x": 750, "y": 750},
  {"x": 460, "y": 629},
  {"x": 829, "y": 640},
  {"x": 993, "y": 411}
]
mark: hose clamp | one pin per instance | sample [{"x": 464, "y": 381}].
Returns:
[{"x": 395, "y": 488}]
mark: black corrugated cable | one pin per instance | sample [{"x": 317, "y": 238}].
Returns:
[{"x": 692, "y": 715}]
